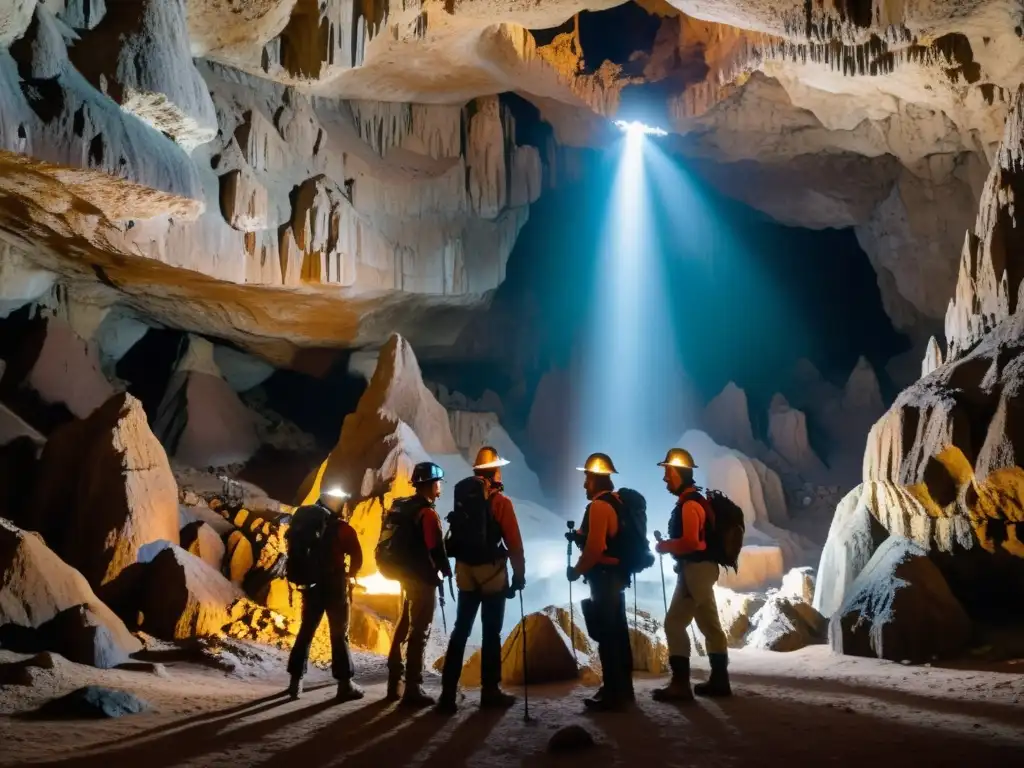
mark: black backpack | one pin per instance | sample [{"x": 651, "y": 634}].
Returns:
[
  {"x": 631, "y": 546},
  {"x": 308, "y": 541},
  {"x": 724, "y": 527},
  {"x": 401, "y": 552},
  {"x": 724, "y": 534},
  {"x": 474, "y": 536}
]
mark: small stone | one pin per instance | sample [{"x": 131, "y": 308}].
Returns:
[
  {"x": 572, "y": 738},
  {"x": 93, "y": 701},
  {"x": 806, "y": 501}
]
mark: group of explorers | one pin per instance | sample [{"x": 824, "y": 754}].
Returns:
[{"x": 483, "y": 538}]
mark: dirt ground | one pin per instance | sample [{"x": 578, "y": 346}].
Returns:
[{"x": 802, "y": 708}]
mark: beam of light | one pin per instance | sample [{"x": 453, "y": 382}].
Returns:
[
  {"x": 629, "y": 386},
  {"x": 638, "y": 128}
]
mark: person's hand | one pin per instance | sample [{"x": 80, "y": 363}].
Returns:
[
  {"x": 518, "y": 583},
  {"x": 571, "y": 573},
  {"x": 570, "y": 536}
]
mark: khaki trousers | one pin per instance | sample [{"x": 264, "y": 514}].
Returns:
[{"x": 694, "y": 600}]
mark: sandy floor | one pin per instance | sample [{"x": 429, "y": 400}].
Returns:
[{"x": 805, "y": 708}]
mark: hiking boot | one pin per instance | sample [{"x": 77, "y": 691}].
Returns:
[
  {"x": 607, "y": 703},
  {"x": 718, "y": 683},
  {"x": 415, "y": 696},
  {"x": 495, "y": 698},
  {"x": 678, "y": 688},
  {"x": 447, "y": 704},
  {"x": 295, "y": 688},
  {"x": 349, "y": 691},
  {"x": 394, "y": 689}
]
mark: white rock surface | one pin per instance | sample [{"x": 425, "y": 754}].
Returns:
[{"x": 787, "y": 434}]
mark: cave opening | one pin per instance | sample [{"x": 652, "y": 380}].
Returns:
[
  {"x": 749, "y": 296},
  {"x": 614, "y": 34}
]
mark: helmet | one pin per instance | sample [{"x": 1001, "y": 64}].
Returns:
[
  {"x": 598, "y": 464},
  {"x": 488, "y": 458},
  {"x": 426, "y": 472},
  {"x": 679, "y": 458}
]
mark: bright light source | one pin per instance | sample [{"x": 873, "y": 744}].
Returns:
[
  {"x": 376, "y": 584},
  {"x": 637, "y": 128},
  {"x": 336, "y": 493}
]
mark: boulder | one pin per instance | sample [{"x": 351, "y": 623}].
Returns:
[
  {"x": 647, "y": 642},
  {"x": 55, "y": 605},
  {"x": 549, "y": 656},
  {"x": 184, "y": 597},
  {"x": 104, "y": 491},
  {"x": 83, "y": 636},
  {"x": 783, "y": 624},
  {"x": 201, "y": 420},
  {"x": 853, "y": 537},
  {"x": 92, "y": 702},
  {"x": 571, "y": 738},
  {"x": 68, "y": 371},
  {"x": 201, "y": 540},
  {"x": 798, "y": 585},
  {"x": 900, "y": 608}
]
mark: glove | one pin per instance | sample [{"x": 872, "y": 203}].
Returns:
[
  {"x": 518, "y": 583},
  {"x": 572, "y": 574}
]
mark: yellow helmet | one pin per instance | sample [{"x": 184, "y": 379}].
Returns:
[
  {"x": 488, "y": 458},
  {"x": 599, "y": 464},
  {"x": 678, "y": 457}
]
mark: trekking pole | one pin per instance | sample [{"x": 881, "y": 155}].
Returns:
[
  {"x": 572, "y": 617},
  {"x": 526, "y": 676}
]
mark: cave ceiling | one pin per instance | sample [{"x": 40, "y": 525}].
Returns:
[{"x": 301, "y": 174}]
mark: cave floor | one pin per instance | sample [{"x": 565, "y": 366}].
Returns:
[{"x": 803, "y": 708}]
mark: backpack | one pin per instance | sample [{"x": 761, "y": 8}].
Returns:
[
  {"x": 308, "y": 541},
  {"x": 631, "y": 546},
  {"x": 401, "y": 551},
  {"x": 474, "y": 536},
  {"x": 724, "y": 528}
]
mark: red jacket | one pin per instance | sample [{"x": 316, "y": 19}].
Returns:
[{"x": 346, "y": 542}]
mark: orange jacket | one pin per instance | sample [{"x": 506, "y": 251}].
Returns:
[
  {"x": 603, "y": 524},
  {"x": 692, "y": 538},
  {"x": 505, "y": 514}
]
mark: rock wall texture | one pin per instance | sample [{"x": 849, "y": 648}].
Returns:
[
  {"x": 942, "y": 467},
  {"x": 302, "y": 173}
]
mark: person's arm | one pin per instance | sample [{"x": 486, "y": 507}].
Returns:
[
  {"x": 505, "y": 514},
  {"x": 601, "y": 514},
  {"x": 690, "y": 540},
  {"x": 348, "y": 540},
  {"x": 434, "y": 540}
]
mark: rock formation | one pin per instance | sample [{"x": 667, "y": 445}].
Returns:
[
  {"x": 727, "y": 419},
  {"x": 940, "y": 467},
  {"x": 39, "y": 592},
  {"x": 900, "y": 608},
  {"x": 184, "y": 597},
  {"x": 787, "y": 434},
  {"x": 201, "y": 421},
  {"x": 104, "y": 493},
  {"x": 785, "y": 624}
]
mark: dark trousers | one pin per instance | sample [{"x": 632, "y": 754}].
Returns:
[
  {"x": 316, "y": 602},
  {"x": 608, "y": 597},
  {"x": 492, "y": 609},
  {"x": 413, "y": 629}
]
